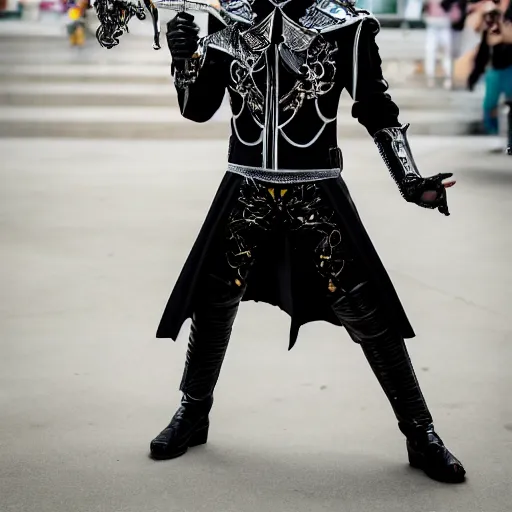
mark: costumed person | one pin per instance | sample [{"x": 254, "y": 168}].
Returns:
[
  {"x": 494, "y": 59},
  {"x": 282, "y": 228}
]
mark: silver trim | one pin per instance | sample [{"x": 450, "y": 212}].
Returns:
[
  {"x": 307, "y": 144},
  {"x": 355, "y": 63},
  {"x": 245, "y": 142},
  {"x": 283, "y": 175},
  {"x": 276, "y": 108},
  {"x": 265, "y": 129}
]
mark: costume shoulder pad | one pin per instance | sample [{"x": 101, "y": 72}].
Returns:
[
  {"x": 373, "y": 24},
  {"x": 328, "y": 15}
]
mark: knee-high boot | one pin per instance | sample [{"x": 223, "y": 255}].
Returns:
[
  {"x": 212, "y": 323},
  {"x": 365, "y": 320}
]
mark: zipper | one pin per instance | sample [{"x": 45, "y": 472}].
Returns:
[
  {"x": 276, "y": 108},
  {"x": 268, "y": 94},
  {"x": 270, "y": 146},
  {"x": 270, "y": 119},
  {"x": 271, "y": 134}
]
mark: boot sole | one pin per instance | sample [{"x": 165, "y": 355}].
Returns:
[{"x": 198, "y": 438}]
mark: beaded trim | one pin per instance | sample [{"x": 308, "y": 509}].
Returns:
[{"x": 283, "y": 175}]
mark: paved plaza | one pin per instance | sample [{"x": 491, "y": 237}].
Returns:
[{"x": 93, "y": 235}]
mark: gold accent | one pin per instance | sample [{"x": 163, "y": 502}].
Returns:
[
  {"x": 283, "y": 191},
  {"x": 331, "y": 287},
  {"x": 272, "y": 193},
  {"x": 322, "y": 257},
  {"x": 238, "y": 282}
]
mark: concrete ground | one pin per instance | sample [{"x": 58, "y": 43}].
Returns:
[{"x": 94, "y": 234}]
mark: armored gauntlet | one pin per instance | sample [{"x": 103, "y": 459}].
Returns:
[{"x": 396, "y": 153}]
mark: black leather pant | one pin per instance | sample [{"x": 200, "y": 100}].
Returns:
[{"x": 299, "y": 208}]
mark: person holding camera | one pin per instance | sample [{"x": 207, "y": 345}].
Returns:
[{"x": 494, "y": 59}]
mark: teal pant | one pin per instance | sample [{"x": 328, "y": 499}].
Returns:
[{"x": 497, "y": 82}]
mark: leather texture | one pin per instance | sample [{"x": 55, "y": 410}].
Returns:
[
  {"x": 385, "y": 351},
  {"x": 182, "y": 36},
  {"x": 427, "y": 452},
  {"x": 188, "y": 427},
  {"x": 212, "y": 323},
  {"x": 387, "y": 356}
]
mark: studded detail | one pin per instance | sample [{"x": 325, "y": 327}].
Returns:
[
  {"x": 396, "y": 153},
  {"x": 283, "y": 175}
]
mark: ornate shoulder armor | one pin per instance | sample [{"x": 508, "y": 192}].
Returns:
[{"x": 328, "y": 15}]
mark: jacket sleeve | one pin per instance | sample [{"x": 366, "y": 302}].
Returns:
[
  {"x": 373, "y": 106},
  {"x": 481, "y": 60},
  {"x": 200, "y": 86},
  {"x": 200, "y": 94}
]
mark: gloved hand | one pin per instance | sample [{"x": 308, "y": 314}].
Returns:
[
  {"x": 182, "y": 37},
  {"x": 428, "y": 192}
]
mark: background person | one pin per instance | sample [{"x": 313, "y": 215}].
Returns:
[
  {"x": 439, "y": 18},
  {"x": 494, "y": 59}
]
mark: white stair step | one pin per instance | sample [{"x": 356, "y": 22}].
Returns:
[
  {"x": 85, "y": 70},
  {"x": 90, "y": 89},
  {"x": 122, "y": 94},
  {"x": 170, "y": 115},
  {"x": 117, "y": 86}
]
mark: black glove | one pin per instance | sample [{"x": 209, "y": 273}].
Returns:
[
  {"x": 413, "y": 189},
  {"x": 182, "y": 37}
]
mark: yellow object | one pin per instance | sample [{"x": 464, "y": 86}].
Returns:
[
  {"x": 77, "y": 38},
  {"x": 75, "y": 13}
]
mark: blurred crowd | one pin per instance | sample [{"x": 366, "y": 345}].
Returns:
[
  {"x": 474, "y": 41},
  {"x": 75, "y": 11},
  {"x": 468, "y": 44}
]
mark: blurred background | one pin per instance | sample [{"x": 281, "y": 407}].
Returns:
[
  {"x": 434, "y": 56},
  {"x": 103, "y": 188}
]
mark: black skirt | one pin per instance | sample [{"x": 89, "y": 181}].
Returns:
[{"x": 282, "y": 277}]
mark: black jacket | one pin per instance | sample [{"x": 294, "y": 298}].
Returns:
[
  {"x": 284, "y": 76},
  {"x": 286, "y": 94}
]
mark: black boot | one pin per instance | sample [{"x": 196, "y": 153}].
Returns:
[
  {"x": 189, "y": 427},
  {"x": 392, "y": 366},
  {"x": 427, "y": 452},
  {"x": 211, "y": 328},
  {"x": 385, "y": 350}
]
